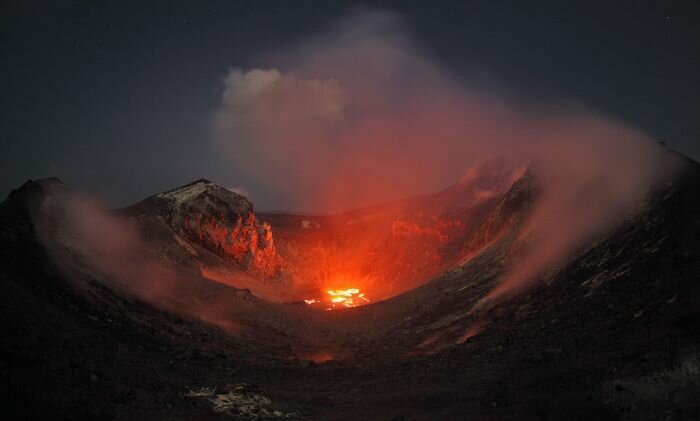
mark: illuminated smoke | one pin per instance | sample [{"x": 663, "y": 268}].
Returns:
[
  {"x": 361, "y": 114},
  {"x": 76, "y": 229}
]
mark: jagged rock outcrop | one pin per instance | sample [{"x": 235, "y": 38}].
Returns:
[{"x": 223, "y": 222}]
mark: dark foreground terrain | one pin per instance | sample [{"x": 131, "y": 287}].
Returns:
[{"x": 614, "y": 334}]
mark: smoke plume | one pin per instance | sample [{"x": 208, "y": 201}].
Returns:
[
  {"x": 76, "y": 230},
  {"x": 360, "y": 114}
]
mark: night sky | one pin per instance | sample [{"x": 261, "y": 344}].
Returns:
[{"x": 117, "y": 98}]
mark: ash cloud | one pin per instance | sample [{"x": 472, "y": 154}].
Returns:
[{"x": 360, "y": 114}]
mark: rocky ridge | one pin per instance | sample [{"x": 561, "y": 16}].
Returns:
[{"x": 223, "y": 222}]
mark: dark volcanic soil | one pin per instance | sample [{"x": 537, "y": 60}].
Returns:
[{"x": 613, "y": 334}]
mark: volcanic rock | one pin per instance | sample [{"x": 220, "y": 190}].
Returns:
[{"x": 223, "y": 222}]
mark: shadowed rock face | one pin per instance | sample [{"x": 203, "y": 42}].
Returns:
[{"x": 223, "y": 222}]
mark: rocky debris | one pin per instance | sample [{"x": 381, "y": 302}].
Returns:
[
  {"x": 223, "y": 222},
  {"x": 546, "y": 355},
  {"x": 241, "y": 400},
  {"x": 673, "y": 390}
]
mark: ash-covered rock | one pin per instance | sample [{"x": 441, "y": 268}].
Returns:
[{"x": 223, "y": 222}]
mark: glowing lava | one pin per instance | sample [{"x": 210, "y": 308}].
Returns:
[
  {"x": 340, "y": 298},
  {"x": 348, "y": 297}
]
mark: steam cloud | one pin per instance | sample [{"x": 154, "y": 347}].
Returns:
[
  {"x": 359, "y": 114},
  {"x": 70, "y": 224},
  {"x": 90, "y": 243}
]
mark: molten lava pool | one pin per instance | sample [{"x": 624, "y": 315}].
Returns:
[{"x": 339, "y": 298}]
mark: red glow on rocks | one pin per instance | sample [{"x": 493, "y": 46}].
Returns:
[{"x": 244, "y": 241}]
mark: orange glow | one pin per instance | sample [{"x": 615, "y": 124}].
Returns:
[
  {"x": 245, "y": 241},
  {"x": 351, "y": 297},
  {"x": 389, "y": 248},
  {"x": 340, "y": 298},
  {"x": 349, "y": 259}
]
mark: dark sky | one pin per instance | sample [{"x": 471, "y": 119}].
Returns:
[{"x": 117, "y": 98}]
